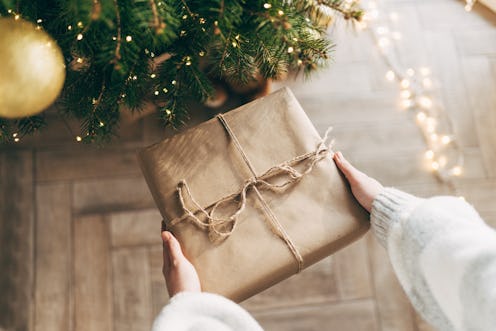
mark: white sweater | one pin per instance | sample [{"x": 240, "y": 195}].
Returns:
[{"x": 442, "y": 252}]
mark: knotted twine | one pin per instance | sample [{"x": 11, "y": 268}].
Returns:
[{"x": 220, "y": 228}]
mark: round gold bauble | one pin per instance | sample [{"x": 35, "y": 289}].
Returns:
[{"x": 32, "y": 70}]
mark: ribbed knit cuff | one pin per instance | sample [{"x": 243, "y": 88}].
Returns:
[{"x": 389, "y": 207}]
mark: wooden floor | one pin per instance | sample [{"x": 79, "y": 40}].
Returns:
[{"x": 79, "y": 232}]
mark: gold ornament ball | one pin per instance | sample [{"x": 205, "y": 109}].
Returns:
[{"x": 32, "y": 70}]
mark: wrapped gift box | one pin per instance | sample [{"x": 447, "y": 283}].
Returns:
[{"x": 252, "y": 195}]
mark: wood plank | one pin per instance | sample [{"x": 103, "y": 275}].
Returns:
[
  {"x": 422, "y": 325},
  {"x": 135, "y": 228},
  {"x": 410, "y": 49},
  {"x": 341, "y": 81},
  {"x": 53, "y": 258},
  {"x": 160, "y": 296},
  {"x": 476, "y": 41},
  {"x": 62, "y": 130},
  {"x": 131, "y": 288},
  {"x": 333, "y": 109},
  {"x": 16, "y": 238},
  {"x": 84, "y": 162},
  {"x": 394, "y": 310},
  {"x": 481, "y": 193},
  {"x": 394, "y": 169},
  {"x": 454, "y": 16},
  {"x": 452, "y": 92},
  {"x": 366, "y": 138},
  {"x": 491, "y": 4},
  {"x": 111, "y": 194},
  {"x": 92, "y": 279},
  {"x": 352, "y": 271},
  {"x": 357, "y": 315},
  {"x": 480, "y": 89}
]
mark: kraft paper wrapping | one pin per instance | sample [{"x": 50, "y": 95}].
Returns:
[{"x": 318, "y": 212}]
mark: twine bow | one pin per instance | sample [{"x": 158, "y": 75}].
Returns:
[{"x": 221, "y": 227}]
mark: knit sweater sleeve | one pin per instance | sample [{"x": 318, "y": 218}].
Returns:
[
  {"x": 444, "y": 256},
  {"x": 188, "y": 311}
]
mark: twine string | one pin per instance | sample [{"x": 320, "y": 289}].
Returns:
[{"x": 220, "y": 228}]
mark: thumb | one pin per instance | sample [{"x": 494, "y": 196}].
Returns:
[
  {"x": 349, "y": 171},
  {"x": 166, "y": 252},
  {"x": 172, "y": 247}
]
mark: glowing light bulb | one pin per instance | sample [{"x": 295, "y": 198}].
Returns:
[
  {"x": 445, "y": 140},
  {"x": 421, "y": 116},
  {"x": 267, "y": 5},
  {"x": 129, "y": 39},
  {"x": 156, "y": 92},
  {"x": 405, "y": 83},
  {"x": 390, "y": 76},
  {"x": 406, "y": 94},
  {"x": 79, "y": 36},
  {"x": 78, "y": 138},
  {"x": 153, "y": 76},
  {"x": 290, "y": 49},
  {"x": 406, "y": 103},
  {"x": 456, "y": 171},
  {"x": 435, "y": 165},
  {"x": 425, "y": 71},
  {"x": 434, "y": 137},
  {"x": 431, "y": 125},
  {"x": 425, "y": 102},
  {"x": 427, "y": 82},
  {"x": 429, "y": 154}
]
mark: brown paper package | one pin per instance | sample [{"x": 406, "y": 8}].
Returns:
[{"x": 318, "y": 212}]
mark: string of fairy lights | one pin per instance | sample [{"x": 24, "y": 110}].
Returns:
[{"x": 443, "y": 154}]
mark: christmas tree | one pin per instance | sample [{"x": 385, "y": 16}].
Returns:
[{"x": 123, "y": 52}]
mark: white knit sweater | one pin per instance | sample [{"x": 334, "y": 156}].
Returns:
[
  {"x": 442, "y": 252},
  {"x": 444, "y": 256}
]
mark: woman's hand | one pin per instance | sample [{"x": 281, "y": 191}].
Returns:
[
  {"x": 180, "y": 275},
  {"x": 364, "y": 188}
]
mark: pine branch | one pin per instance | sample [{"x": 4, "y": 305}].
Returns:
[{"x": 109, "y": 48}]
